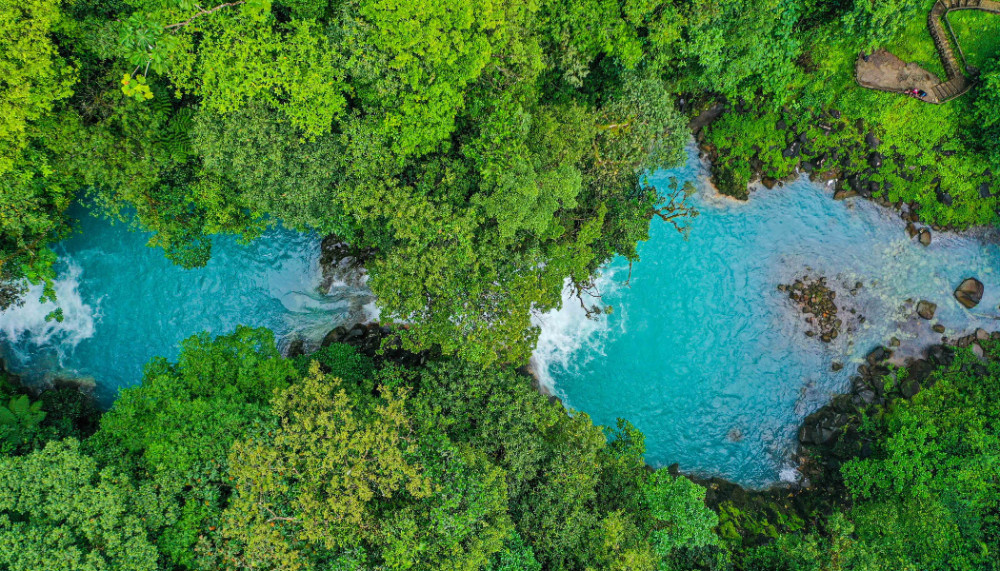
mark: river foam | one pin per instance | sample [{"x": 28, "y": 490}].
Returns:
[{"x": 30, "y": 323}]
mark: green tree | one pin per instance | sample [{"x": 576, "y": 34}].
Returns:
[
  {"x": 34, "y": 78},
  {"x": 986, "y": 112},
  {"x": 34, "y": 75},
  {"x": 176, "y": 429},
  {"x": 58, "y": 511},
  {"x": 877, "y": 22},
  {"x": 336, "y": 481},
  {"x": 19, "y": 422},
  {"x": 678, "y": 508},
  {"x": 928, "y": 496}
]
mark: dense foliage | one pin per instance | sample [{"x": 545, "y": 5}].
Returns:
[
  {"x": 480, "y": 155},
  {"x": 926, "y": 495},
  {"x": 234, "y": 457},
  {"x": 481, "y": 158},
  {"x": 237, "y": 458}
]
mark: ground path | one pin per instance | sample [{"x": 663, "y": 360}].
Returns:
[{"x": 886, "y": 72}]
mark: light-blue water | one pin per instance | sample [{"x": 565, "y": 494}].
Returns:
[
  {"x": 710, "y": 361},
  {"x": 125, "y": 303},
  {"x": 702, "y": 352}
]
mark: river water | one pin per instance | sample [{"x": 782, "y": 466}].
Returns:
[
  {"x": 705, "y": 355},
  {"x": 701, "y": 352},
  {"x": 124, "y": 303}
]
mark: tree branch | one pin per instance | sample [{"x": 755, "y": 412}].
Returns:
[{"x": 203, "y": 12}]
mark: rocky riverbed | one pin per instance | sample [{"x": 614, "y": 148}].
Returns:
[{"x": 818, "y": 302}]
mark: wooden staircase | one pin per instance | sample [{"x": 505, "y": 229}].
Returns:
[
  {"x": 952, "y": 88},
  {"x": 956, "y": 83}
]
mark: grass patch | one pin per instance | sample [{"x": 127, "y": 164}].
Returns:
[{"x": 979, "y": 34}]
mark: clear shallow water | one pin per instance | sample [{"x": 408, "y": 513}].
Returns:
[
  {"x": 710, "y": 361},
  {"x": 125, "y": 303}
]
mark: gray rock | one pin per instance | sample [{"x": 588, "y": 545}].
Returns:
[
  {"x": 970, "y": 292},
  {"x": 977, "y": 350},
  {"x": 868, "y": 396},
  {"x": 296, "y": 348},
  {"x": 926, "y": 309},
  {"x": 982, "y": 334},
  {"x": 872, "y": 141},
  {"x": 984, "y": 190},
  {"x": 875, "y": 160},
  {"x": 920, "y": 370},
  {"x": 334, "y": 336},
  {"x": 792, "y": 151},
  {"x": 944, "y": 197},
  {"x": 878, "y": 355},
  {"x": 940, "y": 354}
]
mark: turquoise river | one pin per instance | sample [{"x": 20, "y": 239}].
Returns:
[{"x": 701, "y": 352}]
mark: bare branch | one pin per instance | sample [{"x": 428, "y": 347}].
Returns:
[{"x": 203, "y": 12}]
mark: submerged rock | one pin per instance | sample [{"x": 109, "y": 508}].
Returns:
[
  {"x": 970, "y": 292},
  {"x": 937, "y": 328},
  {"x": 926, "y": 309}
]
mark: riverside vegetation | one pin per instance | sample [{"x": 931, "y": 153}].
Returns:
[
  {"x": 234, "y": 457},
  {"x": 477, "y": 156}
]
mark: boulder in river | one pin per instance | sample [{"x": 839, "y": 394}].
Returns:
[
  {"x": 926, "y": 309},
  {"x": 925, "y": 237},
  {"x": 970, "y": 292},
  {"x": 938, "y": 328}
]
